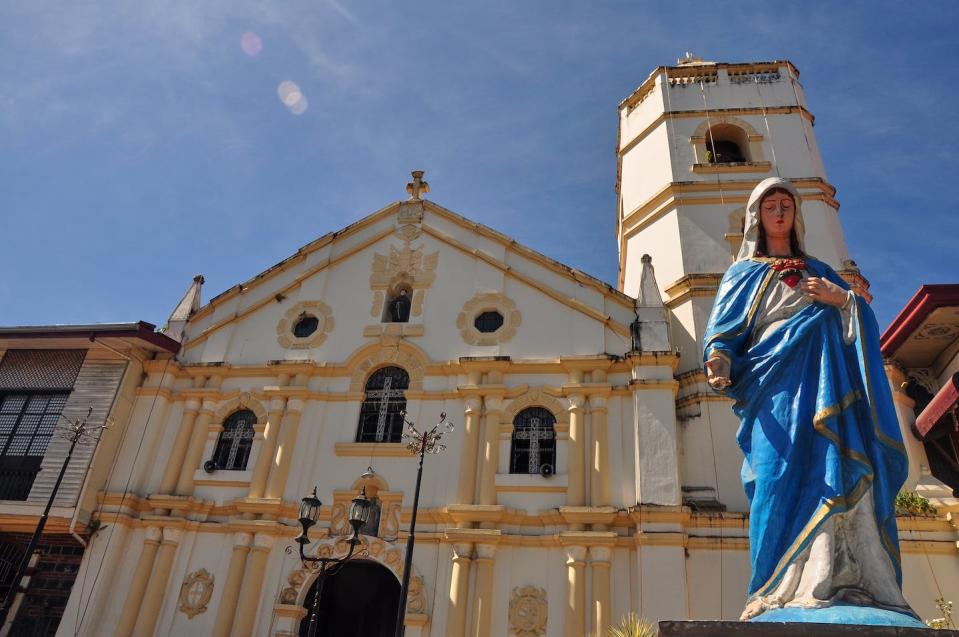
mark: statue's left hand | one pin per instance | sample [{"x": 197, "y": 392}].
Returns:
[{"x": 824, "y": 291}]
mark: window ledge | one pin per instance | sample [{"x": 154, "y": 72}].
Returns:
[
  {"x": 393, "y": 329},
  {"x": 376, "y": 449},
  {"x": 530, "y": 483},
  {"x": 733, "y": 167},
  {"x": 222, "y": 478}
]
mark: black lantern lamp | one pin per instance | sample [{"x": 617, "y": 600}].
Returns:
[{"x": 360, "y": 510}]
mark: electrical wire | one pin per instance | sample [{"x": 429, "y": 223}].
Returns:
[{"x": 126, "y": 489}]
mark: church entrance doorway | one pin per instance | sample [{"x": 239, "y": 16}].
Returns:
[{"x": 359, "y": 601}]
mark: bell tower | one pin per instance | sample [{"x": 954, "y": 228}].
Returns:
[{"x": 694, "y": 139}]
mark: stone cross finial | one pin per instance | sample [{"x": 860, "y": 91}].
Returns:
[{"x": 417, "y": 186}]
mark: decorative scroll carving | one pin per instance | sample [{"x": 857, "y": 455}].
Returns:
[
  {"x": 339, "y": 525},
  {"x": 390, "y": 526},
  {"x": 416, "y": 601},
  {"x": 295, "y": 580},
  {"x": 195, "y": 593},
  {"x": 528, "y": 611}
]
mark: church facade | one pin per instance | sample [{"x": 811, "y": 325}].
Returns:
[{"x": 591, "y": 472}]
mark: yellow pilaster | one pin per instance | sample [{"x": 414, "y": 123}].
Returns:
[
  {"x": 490, "y": 451},
  {"x": 599, "y": 561},
  {"x": 575, "y": 591},
  {"x": 141, "y": 576},
  {"x": 149, "y": 611},
  {"x": 599, "y": 467},
  {"x": 267, "y": 449},
  {"x": 231, "y": 586},
  {"x": 459, "y": 590},
  {"x": 252, "y": 585},
  {"x": 283, "y": 458},
  {"x": 466, "y": 491},
  {"x": 175, "y": 462},
  {"x": 483, "y": 602},
  {"x": 576, "y": 487},
  {"x": 194, "y": 453}
]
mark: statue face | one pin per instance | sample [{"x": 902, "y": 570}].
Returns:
[{"x": 777, "y": 212}]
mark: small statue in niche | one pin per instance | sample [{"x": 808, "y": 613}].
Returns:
[{"x": 399, "y": 308}]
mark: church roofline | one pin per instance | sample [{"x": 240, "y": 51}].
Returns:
[
  {"x": 685, "y": 70},
  {"x": 577, "y": 275}
]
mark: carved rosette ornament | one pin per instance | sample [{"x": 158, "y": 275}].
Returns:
[
  {"x": 305, "y": 310},
  {"x": 528, "y": 612},
  {"x": 195, "y": 593},
  {"x": 489, "y": 302}
]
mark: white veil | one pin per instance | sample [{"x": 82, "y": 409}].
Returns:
[{"x": 751, "y": 229}]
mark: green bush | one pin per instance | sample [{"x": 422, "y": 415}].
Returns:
[{"x": 911, "y": 503}]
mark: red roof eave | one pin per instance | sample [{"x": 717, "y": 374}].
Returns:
[
  {"x": 944, "y": 400},
  {"x": 140, "y": 330},
  {"x": 921, "y": 305}
]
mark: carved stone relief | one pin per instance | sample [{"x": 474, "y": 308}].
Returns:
[
  {"x": 528, "y": 611},
  {"x": 195, "y": 593},
  {"x": 407, "y": 267},
  {"x": 416, "y": 601}
]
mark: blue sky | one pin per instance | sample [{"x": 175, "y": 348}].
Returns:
[{"x": 142, "y": 143}]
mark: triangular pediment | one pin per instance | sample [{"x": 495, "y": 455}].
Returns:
[{"x": 409, "y": 245}]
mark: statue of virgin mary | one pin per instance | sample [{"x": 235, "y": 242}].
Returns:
[{"x": 798, "y": 351}]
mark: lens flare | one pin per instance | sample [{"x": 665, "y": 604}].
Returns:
[
  {"x": 251, "y": 43},
  {"x": 292, "y": 97}
]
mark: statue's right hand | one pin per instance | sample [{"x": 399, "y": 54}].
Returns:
[{"x": 717, "y": 373}]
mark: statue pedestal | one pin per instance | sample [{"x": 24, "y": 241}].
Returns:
[{"x": 798, "y": 629}]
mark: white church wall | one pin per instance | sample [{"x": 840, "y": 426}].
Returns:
[
  {"x": 704, "y": 227},
  {"x": 717, "y": 579},
  {"x": 660, "y": 240},
  {"x": 644, "y": 171}
]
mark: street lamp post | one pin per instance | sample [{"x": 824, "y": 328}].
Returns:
[
  {"x": 422, "y": 444},
  {"x": 324, "y": 566}
]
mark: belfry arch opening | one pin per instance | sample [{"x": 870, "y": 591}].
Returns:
[
  {"x": 360, "y": 600},
  {"x": 726, "y": 144}
]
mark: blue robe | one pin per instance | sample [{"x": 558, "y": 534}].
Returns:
[{"x": 818, "y": 427}]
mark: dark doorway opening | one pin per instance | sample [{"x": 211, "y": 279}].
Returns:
[{"x": 359, "y": 601}]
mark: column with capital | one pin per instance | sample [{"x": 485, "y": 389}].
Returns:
[
  {"x": 141, "y": 576},
  {"x": 223, "y": 626},
  {"x": 261, "y": 469},
  {"x": 283, "y": 457},
  {"x": 466, "y": 489},
  {"x": 180, "y": 443},
  {"x": 252, "y": 585},
  {"x": 599, "y": 465},
  {"x": 599, "y": 564},
  {"x": 575, "y": 591},
  {"x": 149, "y": 611},
  {"x": 576, "y": 488},
  {"x": 194, "y": 453},
  {"x": 459, "y": 590},
  {"x": 483, "y": 601},
  {"x": 490, "y": 449}
]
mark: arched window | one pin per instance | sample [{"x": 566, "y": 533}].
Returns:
[
  {"x": 533, "y": 447},
  {"x": 235, "y": 441},
  {"x": 726, "y": 144},
  {"x": 380, "y": 419}
]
